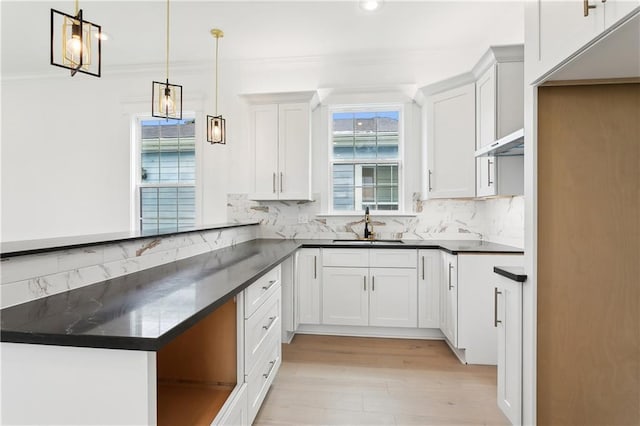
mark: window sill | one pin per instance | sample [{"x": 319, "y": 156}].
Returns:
[{"x": 361, "y": 214}]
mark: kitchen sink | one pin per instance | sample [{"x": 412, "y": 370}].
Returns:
[{"x": 364, "y": 242}]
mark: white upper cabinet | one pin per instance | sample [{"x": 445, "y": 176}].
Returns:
[
  {"x": 560, "y": 29},
  {"x": 280, "y": 143},
  {"x": 499, "y": 112},
  {"x": 450, "y": 136}
]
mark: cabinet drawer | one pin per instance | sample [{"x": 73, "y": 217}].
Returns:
[
  {"x": 259, "y": 291},
  {"x": 261, "y": 377},
  {"x": 393, "y": 258},
  {"x": 346, "y": 257},
  {"x": 260, "y": 328}
]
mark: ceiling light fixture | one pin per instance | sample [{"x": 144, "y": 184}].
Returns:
[
  {"x": 370, "y": 5},
  {"x": 216, "y": 132},
  {"x": 76, "y": 44},
  {"x": 166, "y": 98}
]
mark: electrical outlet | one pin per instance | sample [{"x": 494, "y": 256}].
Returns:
[{"x": 303, "y": 218}]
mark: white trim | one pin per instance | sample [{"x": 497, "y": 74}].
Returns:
[{"x": 135, "y": 161}]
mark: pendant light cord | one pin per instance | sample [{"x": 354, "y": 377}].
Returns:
[
  {"x": 167, "y": 41},
  {"x": 77, "y": 7},
  {"x": 217, "y": 39}
]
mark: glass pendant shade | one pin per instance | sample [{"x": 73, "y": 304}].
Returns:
[
  {"x": 76, "y": 44},
  {"x": 216, "y": 132},
  {"x": 166, "y": 100}
]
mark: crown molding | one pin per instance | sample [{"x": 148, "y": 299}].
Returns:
[
  {"x": 449, "y": 83},
  {"x": 495, "y": 54}
]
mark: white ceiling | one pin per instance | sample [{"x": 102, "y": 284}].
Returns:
[{"x": 262, "y": 29}]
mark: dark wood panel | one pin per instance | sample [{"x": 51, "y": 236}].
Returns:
[{"x": 588, "y": 338}]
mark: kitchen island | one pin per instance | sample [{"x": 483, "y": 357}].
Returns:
[{"x": 119, "y": 346}]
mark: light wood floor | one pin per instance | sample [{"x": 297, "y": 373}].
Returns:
[{"x": 328, "y": 380}]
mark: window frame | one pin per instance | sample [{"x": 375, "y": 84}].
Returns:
[
  {"x": 136, "y": 172},
  {"x": 372, "y": 107}
]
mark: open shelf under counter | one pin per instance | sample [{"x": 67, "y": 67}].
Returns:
[
  {"x": 190, "y": 404},
  {"x": 198, "y": 370}
]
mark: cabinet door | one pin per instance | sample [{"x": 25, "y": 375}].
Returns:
[
  {"x": 263, "y": 139},
  {"x": 451, "y": 140},
  {"x": 294, "y": 141},
  {"x": 449, "y": 324},
  {"x": 486, "y": 108},
  {"x": 614, "y": 10},
  {"x": 393, "y": 297},
  {"x": 563, "y": 29},
  {"x": 509, "y": 98},
  {"x": 308, "y": 285},
  {"x": 486, "y": 176},
  {"x": 429, "y": 265},
  {"x": 508, "y": 296},
  {"x": 345, "y": 299}
]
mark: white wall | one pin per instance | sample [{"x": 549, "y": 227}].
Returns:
[{"x": 66, "y": 144}]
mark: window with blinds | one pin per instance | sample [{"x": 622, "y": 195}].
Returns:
[
  {"x": 365, "y": 159},
  {"x": 168, "y": 175}
]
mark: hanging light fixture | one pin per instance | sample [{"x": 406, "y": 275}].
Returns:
[
  {"x": 216, "y": 132},
  {"x": 76, "y": 44},
  {"x": 166, "y": 98}
]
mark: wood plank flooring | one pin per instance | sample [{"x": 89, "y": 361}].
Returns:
[{"x": 330, "y": 380}]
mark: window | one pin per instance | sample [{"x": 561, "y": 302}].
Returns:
[
  {"x": 365, "y": 159},
  {"x": 167, "y": 185}
]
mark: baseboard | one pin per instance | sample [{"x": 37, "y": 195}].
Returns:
[{"x": 387, "y": 332}]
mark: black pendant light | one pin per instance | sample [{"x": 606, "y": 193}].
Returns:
[
  {"x": 216, "y": 125},
  {"x": 166, "y": 98},
  {"x": 76, "y": 44}
]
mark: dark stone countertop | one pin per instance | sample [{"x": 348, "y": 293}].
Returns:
[
  {"x": 515, "y": 273},
  {"x": 21, "y": 248},
  {"x": 147, "y": 309},
  {"x": 450, "y": 246}
]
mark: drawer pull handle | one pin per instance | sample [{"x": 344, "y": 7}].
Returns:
[
  {"x": 268, "y": 373},
  {"x": 271, "y": 321},
  {"x": 450, "y": 268},
  {"x": 271, "y": 283}
]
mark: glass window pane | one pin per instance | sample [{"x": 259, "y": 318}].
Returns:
[
  {"x": 369, "y": 136},
  {"x": 168, "y": 151}
]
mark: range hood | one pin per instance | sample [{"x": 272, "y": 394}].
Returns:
[{"x": 510, "y": 145}]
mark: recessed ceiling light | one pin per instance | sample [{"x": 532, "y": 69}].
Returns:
[{"x": 370, "y": 5}]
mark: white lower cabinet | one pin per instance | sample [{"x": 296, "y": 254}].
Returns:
[
  {"x": 262, "y": 338},
  {"x": 367, "y": 294},
  {"x": 449, "y": 298},
  {"x": 345, "y": 296},
  {"x": 473, "y": 278},
  {"x": 308, "y": 267},
  {"x": 429, "y": 266},
  {"x": 392, "y": 298},
  {"x": 508, "y": 321}
]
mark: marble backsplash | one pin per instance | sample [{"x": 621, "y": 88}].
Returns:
[
  {"x": 34, "y": 276},
  {"x": 499, "y": 220}
]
